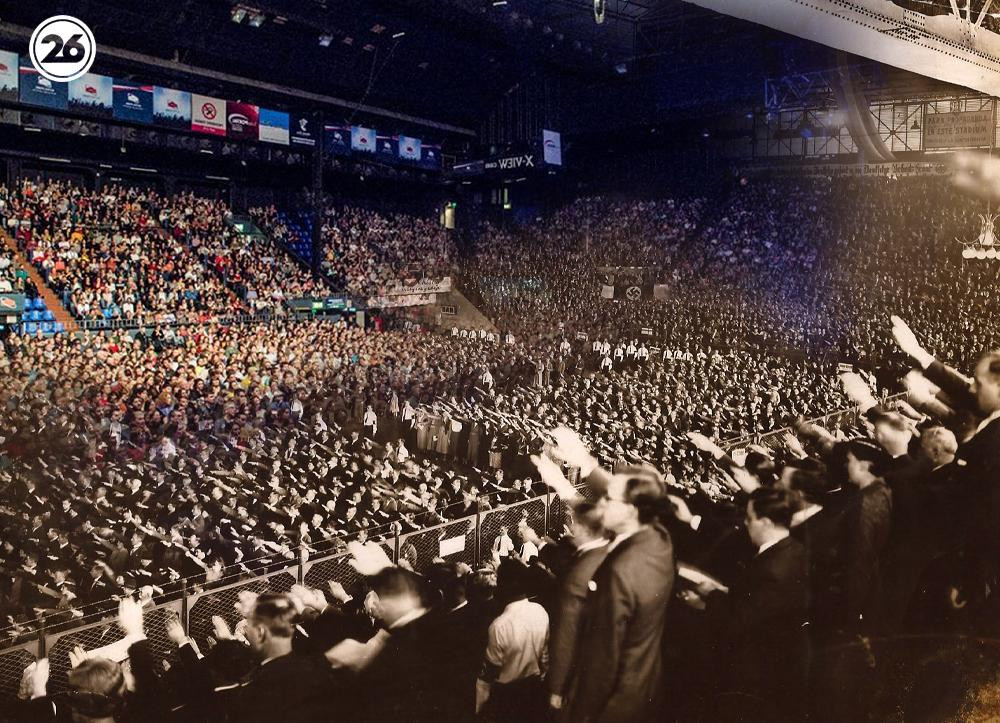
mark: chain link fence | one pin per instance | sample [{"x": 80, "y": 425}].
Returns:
[
  {"x": 468, "y": 540},
  {"x": 222, "y": 601},
  {"x": 12, "y": 664}
]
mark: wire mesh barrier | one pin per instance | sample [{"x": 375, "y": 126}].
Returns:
[
  {"x": 452, "y": 541},
  {"x": 834, "y": 421},
  {"x": 222, "y": 601},
  {"x": 469, "y": 540},
  {"x": 12, "y": 665},
  {"x": 493, "y": 523}
]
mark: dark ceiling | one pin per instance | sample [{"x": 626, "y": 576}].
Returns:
[
  {"x": 455, "y": 59},
  {"x": 649, "y": 61}
]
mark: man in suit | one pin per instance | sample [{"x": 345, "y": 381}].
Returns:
[
  {"x": 286, "y": 685},
  {"x": 591, "y": 547},
  {"x": 758, "y": 624},
  {"x": 618, "y": 676},
  {"x": 407, "y": 680}
]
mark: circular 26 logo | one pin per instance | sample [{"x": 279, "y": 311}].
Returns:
[{"x": 62, "y": 48}]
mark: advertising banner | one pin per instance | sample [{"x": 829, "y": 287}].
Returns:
[
  {"x": 242, "y": 121},
  {"x": 338, "y": 140},
  {"x": 424, "y": 286},
  {"x": 133, "y": 102},
  {"x": 552, "y": 148},
  {"x": 8, "y": 75},
  {"x": 208, "y": 115},
  {"x": 38, "y": 90},
  {"x": 11, "y": 304},
  {"x": 388, "y": 302},
  {"x": 363, "y": 139},
  {"x": 386, "y": 148},
  {"x": 273, "y": 126},
  {"x": 430, "y": 156},
  {"x": 171, "y": 108},
  {"x": 92, "y": 94},
  {"x": 409, "y": 149},
  {"x": 303, "y": 131},
  {"x": 972, "y": 129}
]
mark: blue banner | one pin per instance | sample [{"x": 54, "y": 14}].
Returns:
[
  {"x": 273, "y": 126},
  {"x": 430, "y": 157},
  {"x": 40, "y": 91},
  {"x": 337, "y": 140},
  {"x": 409, "y": 149},
  {"x": 172, "y": 108},
  {"x": 363, "y": 139},
  {"x": 386, "y": 148},
  {"x": 91, "y": 94},
  {"x": 133, "y": 102}
]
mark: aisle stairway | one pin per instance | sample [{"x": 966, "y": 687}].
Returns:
[{"x": 52, "y": 301}]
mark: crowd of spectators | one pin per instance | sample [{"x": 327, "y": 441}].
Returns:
[
  {"x": 256, "y": 266},
  {"x": 261, "y": 441},
  {"x": 104, "y": 253},
  {"x": 366, "y": 250}
]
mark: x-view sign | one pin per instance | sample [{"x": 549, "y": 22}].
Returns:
[{"x": 512, "y": 163}]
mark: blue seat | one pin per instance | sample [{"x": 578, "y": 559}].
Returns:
[
  {"x": 34, "y": 316},
  {"x": 46, "y": 327},
  {"x": 39, "y": 303},
  {"x": 47, "y": 315},
  {"x": 30, "y": 327},
  {"x": 59, "y": 327}
]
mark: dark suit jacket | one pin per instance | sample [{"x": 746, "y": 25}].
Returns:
[
  {"x": 759, "y": 623},
  {"x": 866, "y": 526},
  {"x": 406, "y": 681},
  {"x": 294, "y": 688},
  {"x": 619, "y": 673},
  {"x": 565, "y": 624}
]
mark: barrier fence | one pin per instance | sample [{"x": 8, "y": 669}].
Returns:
[
  {"x": 833, "y": 421},
  {"x": 467, "y": 540}
]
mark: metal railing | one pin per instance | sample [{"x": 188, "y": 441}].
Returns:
[
  {"x": 196, "y": 604},
  {"x": 834, "y": 420}
]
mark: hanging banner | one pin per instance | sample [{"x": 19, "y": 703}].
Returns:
[
  {"x": 273, "y": 126},
  {"x": 409, "y": 149},
  {"x": 424, "y": 286},
  {"x": 363, "y": 139},
  {"x": 303, "y": 131},
  {"x": 133, "y": 102},
  {"x": 171, "y": 108},
  {"x": 552, "y": 148},
  {"x": 430, "y": 157},
  {"x": 92, "y": 94},
  {"x": 242, "y": 121},
  {"x": 337, "y": 140},
  {"x": 208, "y": 115},
  {"x": 972, "y": 129},
  {"x": 8, "y": 75},
  {"x": 386, "y": 148},
  {"x": 36, "y": 89},
  {"x": 389, "y": 302}
]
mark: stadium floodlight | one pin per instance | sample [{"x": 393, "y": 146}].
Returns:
[
  {"x": 325, "y": 39},
  {"x": 257, "y": 19},
  {"x": 599, "y": 8},
  {"x": 239, "y": 14}
]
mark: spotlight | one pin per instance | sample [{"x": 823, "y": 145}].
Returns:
[
  {"x": 397, "y": 36},
  {"x": 981, "y": 254},
  {"x": 968, "y": 253},
  {"x": 325, "y": 39},
  {"x": 239, "y": 14},
  {"x": 621, "y": 68},
  {"x": 991, "y": 253},
  {"x": 257, "y": 19}
]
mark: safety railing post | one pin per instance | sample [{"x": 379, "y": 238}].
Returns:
[
  {"x": 479, "y": 528},
  {"x": 185, "y": 607},
  {"x": 548, "y": 505}
]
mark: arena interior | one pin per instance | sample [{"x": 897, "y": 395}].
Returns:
[{"x": 570, "y": 361}]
